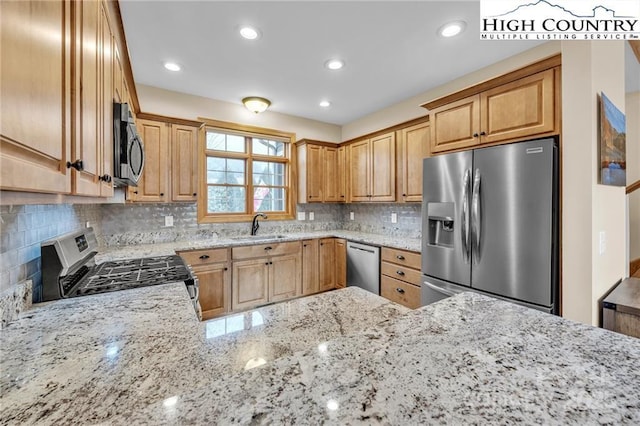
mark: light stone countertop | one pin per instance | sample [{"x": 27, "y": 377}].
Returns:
[
  {"x": 162, "y": 249},
  {"x": 87, "y": 359}
]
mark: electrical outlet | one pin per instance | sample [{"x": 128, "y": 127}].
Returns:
[
  {"x": 311, "y": 216},
  {"x": 302, "y": 216},
  {"x": 394, "y": 217},
  {"x": 168, "y": 221},
  {"x": 352, "y": 216},
  {"x": 88, "y": 224},
  {"x": 603, "y": 242}
]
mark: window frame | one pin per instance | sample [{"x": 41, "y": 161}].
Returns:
[{"x": 289, "y": 160}]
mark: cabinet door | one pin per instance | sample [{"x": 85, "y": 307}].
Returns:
[
  {"x": 215, "y": 289},
  {"x": 330, "y": 175},
  {"x": 184, "y": 162},
  {"x": 327, "y": 264},
  {"x": 154, "y": 182},
  {"x": 310, "y": 278},
  {"x": 359, "y": 171},
  {"x": 341, "y": 174},
  {"x": 383, "y": 168},
  {"x": 314, "y": 173},
  {"x": 107, "y": 67},
  {"x": 89, "y": 141},
  {"x": 341, "y": 263},
  {"x": 455, "y": 125},
  {"x": 523, "y": 108},
  {"x": 414, "y": 143},
  {"x": 250, "y": 283},
  {"x": 285, "y": 275},
  {"x": 35, "y": 96}
]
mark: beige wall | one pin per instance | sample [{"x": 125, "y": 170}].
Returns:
[
  {"x": 410, "y": 108},
  {"x": 174, "y": 104},
  {"x": 589, "y": 208},
  {"x": 633, "y": 171}
]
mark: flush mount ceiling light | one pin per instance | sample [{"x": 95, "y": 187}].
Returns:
[
  {"x": 249, "y": 33},
  {"x": 172, "y": 66},
  {"x": 452, "y": 29},
  {"x": 256, "y": 104},
  {"x": 325, "y": 104},
  {"x": 334, "y": 64}
]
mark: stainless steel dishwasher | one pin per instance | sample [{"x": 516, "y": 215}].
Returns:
[{"x": 363, "y": 266}]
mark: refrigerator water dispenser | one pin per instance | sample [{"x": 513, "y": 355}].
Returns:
[{"x": 441, "y": 223}]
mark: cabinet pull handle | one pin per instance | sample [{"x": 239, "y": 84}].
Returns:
[
  {"x": 204, "y": 256},
  {"x": 268, "y": 248},
  {"x": 400, "y": 290},
  {"x": 483, "y": 133},
  {"x": 105, "y": 178},
  {"x": 400, "y": 257},
  {"x": 78, "y": 165},
  {"x": 475, "y": 135},
  {"x": 400, "y": 273},
  {"x": 135, "y": 192},
  {"x": 194, "y": 194},
  {"x": 342, "y": 196}
]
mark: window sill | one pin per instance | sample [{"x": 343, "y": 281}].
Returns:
[{"x": 228, "y": 218}]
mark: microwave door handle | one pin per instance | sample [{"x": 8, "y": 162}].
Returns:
[
  {"x": 464, "y": 216},
  {"x": 476, "y": 217}
]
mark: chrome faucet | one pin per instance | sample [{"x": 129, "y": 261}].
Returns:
[{"x": 255, "y": 225}]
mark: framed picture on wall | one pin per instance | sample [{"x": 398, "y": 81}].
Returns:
[{"x": 613, "y": 154}]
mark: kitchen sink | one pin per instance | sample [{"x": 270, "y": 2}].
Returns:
[{"x": 258, "y": 237}]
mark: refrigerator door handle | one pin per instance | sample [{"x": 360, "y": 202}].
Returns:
[
  {"x": 476, "y": 217},
  {"x": 464, "y": 217},
  {"x": 445, "y": 291}
]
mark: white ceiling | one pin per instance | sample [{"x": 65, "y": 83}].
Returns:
[{"x": 390, "y": 48}]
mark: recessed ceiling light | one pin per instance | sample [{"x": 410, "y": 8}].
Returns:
[
  {"x": 172, "y": 66},
  {"x": 334, "y": 64},
  {"x": 249, "y": 33},
  {"x": 325, "y": 104},
  {"x": 452, "y": 29}
]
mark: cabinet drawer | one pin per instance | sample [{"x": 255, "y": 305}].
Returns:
[
  {"x": 410, "y": 259},
  {"x": 262, "y": 250},
  {"x": 400, "y": 292},
  {"x": 204, "y": 257},
  {"x": 401, "y": 273}
]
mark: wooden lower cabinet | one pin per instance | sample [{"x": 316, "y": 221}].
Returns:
[
  {"x": 327, "y": 272},
  {"x": 400, "y": 292},
  {"x": 284, "y": 277},
  {"x": 250, "y": 283},
  {"x": 215, "y": 289},
  {"x": 310, "y": 263},
  {"x": 400, "y": 277},
  {"x": 341, "y": 263}
]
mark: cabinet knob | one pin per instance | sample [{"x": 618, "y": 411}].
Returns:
[
  {"x": 266, "y": 263},
  {"x": 204, "y": 256},
  {"x": 483, "y": 133},
  {"x": 400, "y": 257},
  {"x": 194, "y": 194},
  {"x": 135, "y": 192},
  {"x": 78, "y": 165},
  {"x": 404, "y": 195},
  {"x": 400, "y": 273},
  {"x": 162, "y": 194},
  {"x": 226, "y": 269},
  {"x": 304, "y": 245},
  {"x": 400, "y": 290},
  {"x": 475, "y": 135},
  {"x": 270, "y": 263},
  {"x": 105, "y": 178},
  {"x": 342, "y": 196}
]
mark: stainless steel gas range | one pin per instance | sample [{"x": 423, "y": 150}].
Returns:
[{"x": 69, "y": 270}]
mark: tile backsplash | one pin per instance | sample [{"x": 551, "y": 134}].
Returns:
[{"x": 23, "y": 228}]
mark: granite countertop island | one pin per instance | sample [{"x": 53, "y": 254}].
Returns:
[{"x": 343, "y": 357}]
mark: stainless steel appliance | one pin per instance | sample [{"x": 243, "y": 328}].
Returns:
[
  {"x": 128, "y": 149},
  {"x": 490, "y": 224},
  {"x": 68, "y": 270},
  {"x": 363, "y": 266}
]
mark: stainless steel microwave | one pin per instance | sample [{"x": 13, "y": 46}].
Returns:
[{"x": 128, "y": 149}]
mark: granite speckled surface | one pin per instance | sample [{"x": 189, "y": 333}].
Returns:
[
  {"x": 14, "y": 301},
  {"x": 469, "y": 359},
  {"x": 87, "y": 359},
  {"x": 147, "y": 250}
]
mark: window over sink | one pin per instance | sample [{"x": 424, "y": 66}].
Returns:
[{"x": 246, "y": 170}]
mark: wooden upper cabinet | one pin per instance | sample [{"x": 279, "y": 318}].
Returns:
[
  {"x": 184, "y": 162},
  {"x": 342, "y": 173},
  {"x": 455, "y": 125},
  {"x": 314, "y": 173},
  {"x": 359, "y": 171},
  {"x": 525, "y": 107},
  {"x": 107, "y": 67},
  {"x": 154, "y": 183},
  {"x": 383, "y": 168},
  {"x": 520, "y": 109},
  {"x": 414, "y": 147},
  {"x": 35, "y": 96},
  {"x": 330, "y": 175}
]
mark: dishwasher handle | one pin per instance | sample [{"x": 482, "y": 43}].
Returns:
[{"x": 361, "y": 249}]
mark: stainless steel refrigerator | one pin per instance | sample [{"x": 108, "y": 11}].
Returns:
[{"x": 490, "y": 224}]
